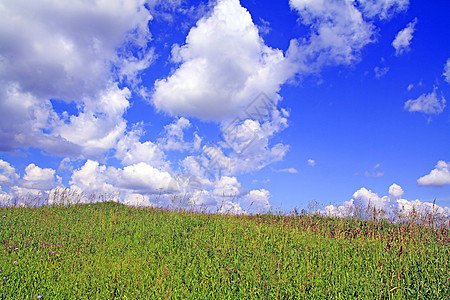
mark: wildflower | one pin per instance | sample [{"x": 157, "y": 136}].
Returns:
[
  {"x": 15, "y": 262},
  {"x": 4, "y": 278},
  {"x": 39, "y": 296},
  {"x": 3, "y": 216}
]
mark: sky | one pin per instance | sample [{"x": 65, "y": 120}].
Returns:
[{"x": 229, "y": 106}]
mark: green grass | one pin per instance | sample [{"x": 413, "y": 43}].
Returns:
[{"x": 111, "y": 251}]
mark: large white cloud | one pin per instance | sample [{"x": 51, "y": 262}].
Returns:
[
  {"x": 55, "y": 49},
  {"x": 426, "y": 103},
  {"x": 139, "y": 178},
  {"x": 75, "y": 52},
  {"x": 403, "y": 38},
  {"x": 224, "y": 65},
  {"x": 439, "y": 176}
]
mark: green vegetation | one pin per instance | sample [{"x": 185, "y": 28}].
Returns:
[{"x": 111, "y": 251}]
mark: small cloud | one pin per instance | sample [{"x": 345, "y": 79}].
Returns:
[
  {"x": 439, "y": 176},
  {"x": 410, "y": 87},
  {"x": 426, "y": 103},
  {"x": 380, "y": 72},
  {"x": 403, "y": 39},
  {"x": 311, "y": 162},
  {"x": 446, "y": 73},
  {"x": 290, "y": 170},
  {"x": 373, "y": 174},
  {"x": 264, "y": 28}
]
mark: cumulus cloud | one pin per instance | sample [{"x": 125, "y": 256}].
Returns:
[
  {"x": 227, "y": 187},
  {"x": 258, "y": 200},
  {"x": 66, "y": 52},
  {"x": 338, "y": 33},
  {"x": 174, "y": 135},
  {"x": 446, "y": 73},
  {"x": 439, "y": 176},
  {"x": 139, "y": 178},
  {"x": 38, "y": 178},
  {"x": 35, "y": 181},
  {"x": 403, "y": 38},
  {"x": 7, "y": 174},
  {"x": 426, "y": 103},
  {"x": 365, "y": 203},
  {"x": 99, "y": 125},
  {"x": 224, "y": 65}
]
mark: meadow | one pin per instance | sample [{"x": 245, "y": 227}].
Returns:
[{"x": 112, "y": 251}]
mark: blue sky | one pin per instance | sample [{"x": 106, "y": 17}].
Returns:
[{"x": 229, "y": 105}]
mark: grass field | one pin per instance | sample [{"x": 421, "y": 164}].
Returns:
[{"x": 111, "y": 251}]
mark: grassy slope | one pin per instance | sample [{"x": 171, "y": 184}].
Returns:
[{"x": 110, "y": 251}]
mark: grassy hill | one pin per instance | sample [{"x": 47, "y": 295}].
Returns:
[{"x": 111, "y": 251}]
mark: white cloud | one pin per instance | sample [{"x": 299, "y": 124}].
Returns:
[
  {"x": 174, "y": 139},
  {"x": 258, "y": 200},
  {"x": 99, "y": 125},
  {"x": 374, "y": 172},
  {"x": 395, "y": 191},
  {"x": 403, "y": 38},
  {"x": 129, "y": 150},
  {"x": 289, "y": 170},
  {"x": 227, "y": 187},
  {"x": 338, "y": 33},
  {"x": 311, "y": 162},
  {"x": 393, "y": 207},
  {"x": 34, "y": 182},
  {"x": 138, "y": 200},
  {"x": 380, "y": 72},
  {"x": 439, "y": 176},
  {"x": 92, "y": 178},
  {"x": 7, "y": 173},
  {"x": 426, "y": 103},
  {"x": 66, "y": 51},
  {"x": 446, "y": 73},
  {"x": 38, "y": 178},
  {"x": 139, "y": 178},
  {"x": 384, "y": 9},
  {"x": 224, "y": 66}
]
